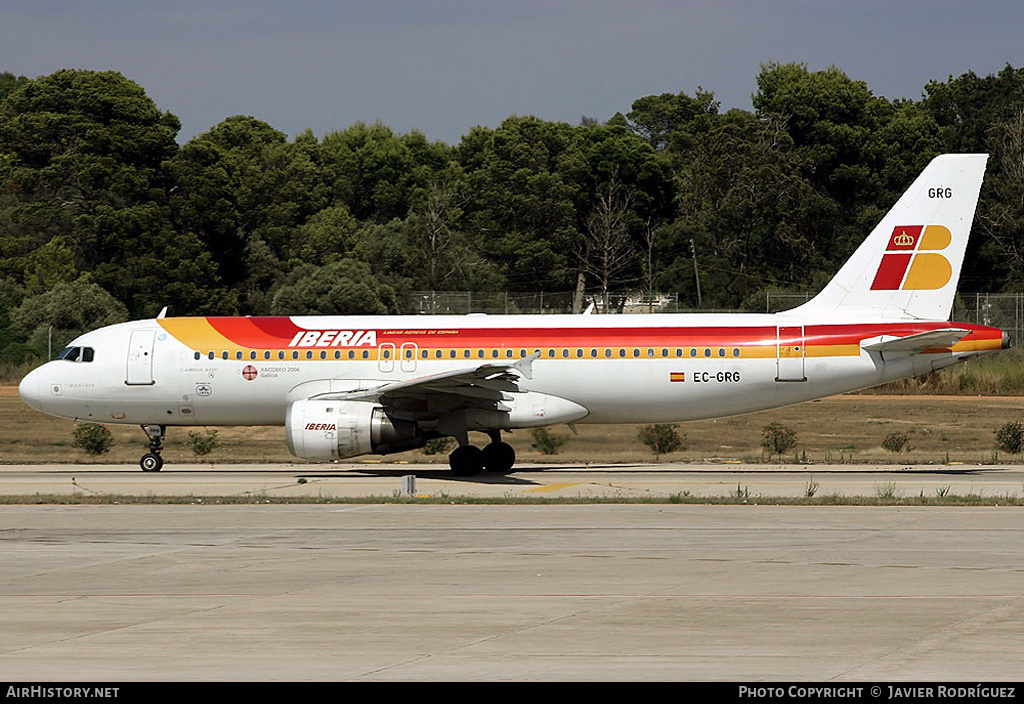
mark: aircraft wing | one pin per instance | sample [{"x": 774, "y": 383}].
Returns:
[
  {"x": 484, "y": 386},
  {"x": 915, "y": 344}
]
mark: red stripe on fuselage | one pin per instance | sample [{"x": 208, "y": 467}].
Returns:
[
  {"x": 256, "y": 333},
  {"x": 278, "y": 332}
]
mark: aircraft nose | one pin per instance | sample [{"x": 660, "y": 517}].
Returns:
[{"x": 34, "y": 389}]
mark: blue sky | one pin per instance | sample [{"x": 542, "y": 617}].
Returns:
[{"x": 443, "y": 66}]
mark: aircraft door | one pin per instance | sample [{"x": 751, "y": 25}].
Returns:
[
  {"x": 409, "y": 352},
  {"x": 790, "y": 353},
  {"x": 386, "y": 357},
  {"x": 140, "y": 358}
]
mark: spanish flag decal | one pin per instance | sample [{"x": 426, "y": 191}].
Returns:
[{"x": 677, "y": 376}]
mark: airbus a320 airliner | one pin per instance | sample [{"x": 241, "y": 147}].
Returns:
[{"x": 348, "y": 386}]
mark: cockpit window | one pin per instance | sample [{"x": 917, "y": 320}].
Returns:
[{"x": 76, "y": 354}]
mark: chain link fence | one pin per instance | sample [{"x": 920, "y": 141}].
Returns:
[
  {"x": 509, "y": 303},
  {"x": 1003, "y": 310}
]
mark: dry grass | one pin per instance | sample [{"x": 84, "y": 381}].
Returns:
[
  {"x": 998, "y": 375},
  {"x": 839, "y": 429}
]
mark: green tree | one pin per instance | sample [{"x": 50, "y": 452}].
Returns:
[
  {"x": 442, "y": 253},
  {"x": 527, "y": 185},
  {"x": 1010, "y": 437},
  {"x": 81, "y": 158},
  {"x": 242, "y": 192},
  {"x": 64, "y": 312},
  {"x": 204, "y": 201},
  {"x": 662, "y": 438},
  {"x": 51, "y": 264},
  {"x": 375, "y": 172},
  {"x": 10, "y": 83},
  {"x": 748, "y": 211},
  {"x": 344, "y": 287},
  {"x": 546, "y": 442},
  {"x": 672, "y": 119},
  {"x": 777, "y": 438},
  {"x": 982, "y": 114},
  {"x": 628, "y": 188},
  {"x": 899, "y": 149},
  {"x": 12, "y": 342},
  {"x": 857, "y": 150},
  {"x": 966, "y": 107},
  {"x": 70, "y": 306},
  {"x": 896, "y": 442},
  {"x": 1000, "y": 218},
  {"x": 203, "y": 443},
  {"x": 830, "y": 119},
  {"x": 328, "y": 235},
  {"x": 94, "y": 438}
]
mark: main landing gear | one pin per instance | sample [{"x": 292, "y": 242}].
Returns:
[
  {"x": 469, "y": 460},
  {"x": 152, "y": 461}
]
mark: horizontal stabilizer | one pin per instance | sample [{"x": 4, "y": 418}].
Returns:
[{"x": 914, "y": 344}]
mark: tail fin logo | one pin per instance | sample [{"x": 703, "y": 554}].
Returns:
[
  {"x": 903, "y": 240},
  {"x": 911, "y": 261}
]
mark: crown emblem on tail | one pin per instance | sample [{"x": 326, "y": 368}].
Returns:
[{"x": 903, "y": 240}]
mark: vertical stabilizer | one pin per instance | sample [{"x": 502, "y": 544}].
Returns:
[{"x": 909, "y": 265}]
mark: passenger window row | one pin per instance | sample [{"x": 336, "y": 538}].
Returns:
[
  {"x": 282, "y": 355},
  {"x": 560, "y": 353}
]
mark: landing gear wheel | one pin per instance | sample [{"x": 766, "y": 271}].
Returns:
[
  {"x": 151, "y": 462},
  {"x": 499, "y": 457},
  {"x": 466, "y": 461}
]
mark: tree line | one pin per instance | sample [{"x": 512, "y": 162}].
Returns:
[{"x": 104, "y": 216}]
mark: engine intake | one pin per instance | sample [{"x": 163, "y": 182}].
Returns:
[{"x": 332, "y": 430}]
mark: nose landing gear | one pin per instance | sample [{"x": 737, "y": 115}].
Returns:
[{"x": 152, "y": 461}]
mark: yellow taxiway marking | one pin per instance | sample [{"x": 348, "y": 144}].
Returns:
[{"x": 552, "y": 487}]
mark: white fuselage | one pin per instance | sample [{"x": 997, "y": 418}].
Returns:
[{"x": 621, "y": 369}]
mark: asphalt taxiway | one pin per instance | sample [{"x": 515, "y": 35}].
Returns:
[
  {"x": 417, "y": 592},
  {"x": 377, "y": 479}
]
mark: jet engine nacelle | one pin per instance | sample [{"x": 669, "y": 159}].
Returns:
[{"x": 332, "y": 430}]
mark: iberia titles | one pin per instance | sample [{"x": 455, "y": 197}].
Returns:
[{"x": 334, "y": 338}]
